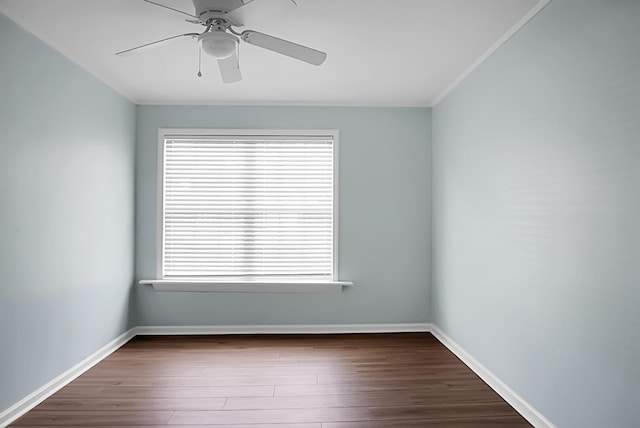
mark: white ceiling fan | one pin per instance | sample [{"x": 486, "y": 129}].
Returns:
[{"x": 220, "y": 40}]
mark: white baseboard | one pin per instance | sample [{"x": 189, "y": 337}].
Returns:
[
  {"x": 38, "y": 396},
  {"x": 283, "y": 329},
  {"x": 523, "y": 407}
]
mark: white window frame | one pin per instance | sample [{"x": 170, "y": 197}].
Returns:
[{"x": 244, "y": 285}]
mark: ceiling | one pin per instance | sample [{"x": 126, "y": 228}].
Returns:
[{"x": 380, "y": 53}]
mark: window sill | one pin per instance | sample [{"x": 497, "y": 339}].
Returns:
[{"x": 283, "y": 286}]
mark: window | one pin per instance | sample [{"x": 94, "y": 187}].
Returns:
[{"x": 242, "y": 205}]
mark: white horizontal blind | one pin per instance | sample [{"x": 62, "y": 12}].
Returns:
[{"x": 248, "y": 206}]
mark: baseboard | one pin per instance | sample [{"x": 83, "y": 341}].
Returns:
[
  {"x": 523, "y": 407},
  {"x": 283, "y": 329},
  {"x": 38, "y": 396}
]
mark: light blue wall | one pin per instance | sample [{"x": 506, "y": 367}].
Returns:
[
  {"x": 66, "y": 213},
  {"x": 537, "y": 213},
  {"x": 384, "y": 201}
]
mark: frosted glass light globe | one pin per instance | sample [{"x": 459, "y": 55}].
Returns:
[{"x": 218, "y": 44}]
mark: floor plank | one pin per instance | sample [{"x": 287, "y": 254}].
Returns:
[
  {"x": 85, "y": 418},
  {"x": 287, "y": 381},
  {"x": 120, "y": 404},
  {"x": 274, "y": 416},
  {"x": 162, "y": 381},
  {"x": 315, "y": 401}
]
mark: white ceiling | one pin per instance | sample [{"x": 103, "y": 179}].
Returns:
[{"x": 380, "y": 53}]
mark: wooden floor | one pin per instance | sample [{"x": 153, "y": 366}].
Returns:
[{"x": 319, "y": 381}]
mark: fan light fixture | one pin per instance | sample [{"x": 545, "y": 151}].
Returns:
[{"x": 218, "y": 44}]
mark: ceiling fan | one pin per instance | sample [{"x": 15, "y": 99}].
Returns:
[{"x": 220, "y": 40}]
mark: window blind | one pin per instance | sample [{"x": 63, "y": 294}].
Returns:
[{"x": 248, "y": 206}]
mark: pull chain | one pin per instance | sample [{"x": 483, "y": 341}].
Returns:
[{"x": 199, "y": 60}]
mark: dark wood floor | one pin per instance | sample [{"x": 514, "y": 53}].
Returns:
[{"x": 319, "y": 381}]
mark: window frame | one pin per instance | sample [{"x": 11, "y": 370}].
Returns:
[{"x": 164, "y": 133}]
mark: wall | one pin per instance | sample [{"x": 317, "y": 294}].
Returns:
[
  {"x": 536, "y": 213},
  {"x": 66, "y": 213},
  {"x": 384, "y": 199}
]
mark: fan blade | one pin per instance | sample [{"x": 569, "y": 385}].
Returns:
[
  {"x": 170, "y": 8},
  {"x": 284, "y": 47},
  {"x": 230, "y": 68},
  {"x": 157, "y": 41}
]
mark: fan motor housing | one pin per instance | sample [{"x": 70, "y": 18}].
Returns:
[{"x": 215, "y": 9}]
